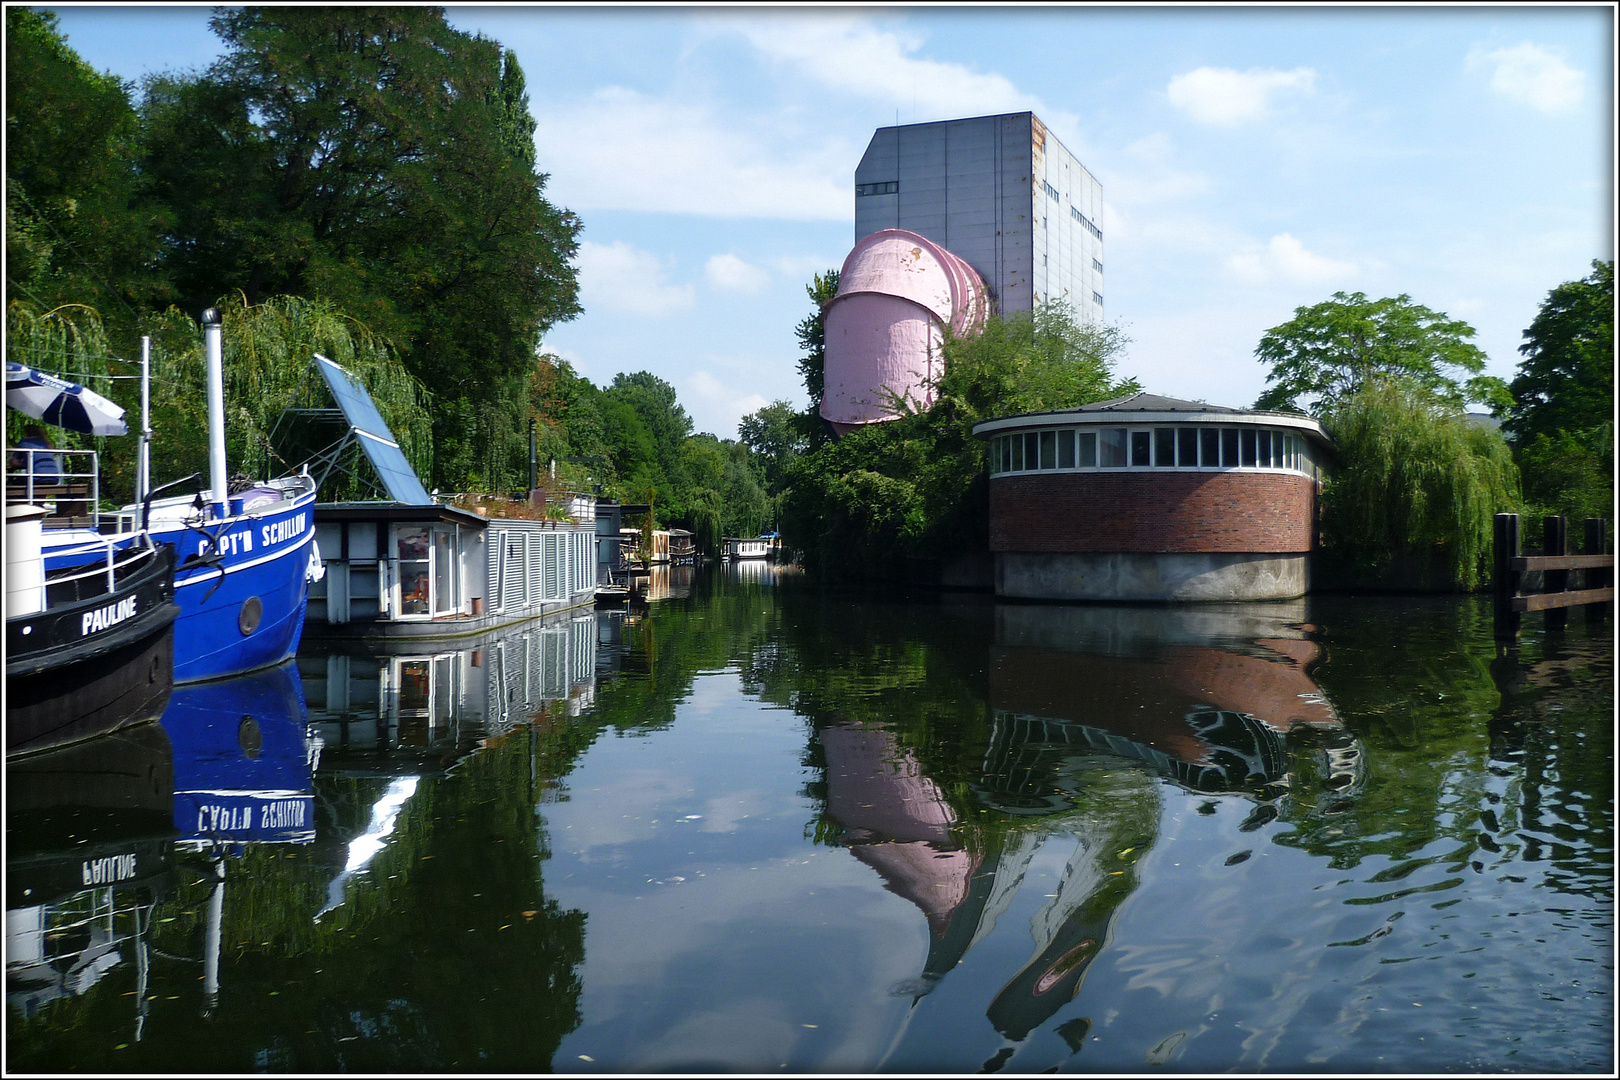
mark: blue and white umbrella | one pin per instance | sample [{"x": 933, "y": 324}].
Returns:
[{"x": 57, "y": 401}]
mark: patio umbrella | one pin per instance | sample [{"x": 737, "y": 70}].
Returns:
[{"x": 57, "y": 401}]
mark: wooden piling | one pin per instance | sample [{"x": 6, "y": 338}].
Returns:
[
  {"x": 1597, "y": 578},
  {"x": 1505, "y": 579},
  {"x": 1555, "y": 541}
]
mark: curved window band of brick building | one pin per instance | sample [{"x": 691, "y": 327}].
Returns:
[{"x": 1153, "y": 498}]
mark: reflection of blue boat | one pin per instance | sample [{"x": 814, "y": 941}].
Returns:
[
  {"x": 245, "y": 558},
  {"x": 243, "y": 760}
]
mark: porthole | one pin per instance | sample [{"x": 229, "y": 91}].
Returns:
[{"x": 252, "y": 611}]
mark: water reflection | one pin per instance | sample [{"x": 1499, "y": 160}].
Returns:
[
  {"x": 244, "y": 760},
  {"x": 89, "y": 856},
  {"x": 417, "y": 708},
  {"x": 1083, "y": 706},
  {"x": 809, "y": 833},
  {"x": 1213, "y": 698}
]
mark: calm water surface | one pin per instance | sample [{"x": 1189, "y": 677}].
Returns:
[{"x": 765, "y": 829}]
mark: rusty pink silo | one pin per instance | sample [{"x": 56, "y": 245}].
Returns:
[{"x": 897, "y": 292}]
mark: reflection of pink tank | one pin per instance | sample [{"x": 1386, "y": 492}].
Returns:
[{"x": 896, "y": 294}]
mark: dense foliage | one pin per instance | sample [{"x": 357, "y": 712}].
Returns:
[
  {"x": 1561, "y": 420},
  {"x": 1413, "y": 480},
  {"x": 374, "y": 160},
  {"x": 1414, "y": 477},
  {"x": 914, "y": 488},
  {"x": 1326, "y": 353},
  {"x": 267, "y": 349}
]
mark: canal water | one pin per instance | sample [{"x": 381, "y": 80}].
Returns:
[{"x": 763, "y": 828}]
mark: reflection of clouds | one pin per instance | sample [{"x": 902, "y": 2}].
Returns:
[
  {"x": 364, "y": 848},
  {"x": 636, "y": 813},
  {"x": 723, "y": 812},
  {"x": 793, "y": 912}
]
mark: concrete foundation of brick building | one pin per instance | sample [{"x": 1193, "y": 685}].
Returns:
[{"x": 1137, "y": 576}]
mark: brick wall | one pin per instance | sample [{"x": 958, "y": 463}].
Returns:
[{"x": 1152, "y": 512}]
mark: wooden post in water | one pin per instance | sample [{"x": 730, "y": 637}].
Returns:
[
  {"x": 1505, "y": 579},
  {"x": 1555, "y": 541},
  {"x": 1596, "y": 579}
]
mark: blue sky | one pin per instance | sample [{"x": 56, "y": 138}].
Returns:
[{"x": 1253, "y": 160}]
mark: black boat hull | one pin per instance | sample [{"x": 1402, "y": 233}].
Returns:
[
  {"x": 92, "y": 666},
  {"x": 60, "y": 706}
]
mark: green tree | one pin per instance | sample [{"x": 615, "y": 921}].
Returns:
[
  {"x": 1326, "y": 352},
  {"x": 1415, "y": 479},
  {"x": 374, "y": 157},
  {"x": 1561, "y": 419},
  {"x": 775, "y": 437},
  {"x": 667, "y": 426},
  {"x": 812, "y": 335},
  {"x": 915, "y": 488},
  {"x": 267, "y": 354},
  {"x": 74, "y": 231}
]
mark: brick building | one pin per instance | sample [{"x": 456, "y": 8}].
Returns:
[{"x": 1153, "y": 498}]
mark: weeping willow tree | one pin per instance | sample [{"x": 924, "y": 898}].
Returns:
[
  {"x": 1414, "y": 478},
  {"x": 71, "y": 342},
  {"x": 267, "y": 356}
]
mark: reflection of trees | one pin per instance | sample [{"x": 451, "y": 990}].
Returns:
[
  {"x": 385, "y": 981},
  {"x": 1469, "y": 758}
]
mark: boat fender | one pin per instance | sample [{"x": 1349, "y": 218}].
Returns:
[{"x": 316, "y": 569}]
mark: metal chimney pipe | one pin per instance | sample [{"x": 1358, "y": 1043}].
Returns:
[
  {"x": 213, "y": 349},
  {"x": 534, "y": 461}
]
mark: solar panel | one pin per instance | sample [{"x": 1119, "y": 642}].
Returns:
[{"x": 375, "y": 439}]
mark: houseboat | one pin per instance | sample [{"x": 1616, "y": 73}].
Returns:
[
  {"x": 411, "y": 565},
  {"x": 438, "y": 570},
  {"x": 734, "y": 548}
]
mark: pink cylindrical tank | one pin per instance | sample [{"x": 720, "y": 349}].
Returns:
[{"x": 896, "y": 294}]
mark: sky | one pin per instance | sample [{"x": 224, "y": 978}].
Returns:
[{"x": 1253, "y": 161}]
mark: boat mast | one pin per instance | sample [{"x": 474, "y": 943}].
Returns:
[
  {"x": 214, "y": 351},
  {"x": 143, "y": 462}
]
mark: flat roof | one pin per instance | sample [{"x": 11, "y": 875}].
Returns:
[{"x": 376, "y": 510}]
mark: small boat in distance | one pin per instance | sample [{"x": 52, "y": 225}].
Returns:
[{"x": 734, "y": 548}]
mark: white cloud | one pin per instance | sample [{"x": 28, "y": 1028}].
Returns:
[
  {"x": 800, "y": 267},
  {"x": 852, "y": 56},
  {"x": 626, "y": 280},
  {"x": 621, "y": 150},
  {"x": 728, "y": 273},
  {"x": 719, "y": 401},
  {"x": 1225, "y": 98},
  {"x": 1285, "y": 259},
  {"x": 1533, "y": 75}
]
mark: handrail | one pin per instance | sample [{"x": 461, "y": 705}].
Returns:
[
  {"x": 33, "y": 478},
  {"x": 83, "y": 570}
]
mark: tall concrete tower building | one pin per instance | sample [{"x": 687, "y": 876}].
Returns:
[{"x": 1002, "y": 194}]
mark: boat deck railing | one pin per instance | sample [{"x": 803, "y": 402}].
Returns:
[
  {"x": 67, "y": 483},
  {"x": 97, "y": 567}
]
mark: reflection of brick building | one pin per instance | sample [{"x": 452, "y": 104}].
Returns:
[{"x": 1153, "y": 498}]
